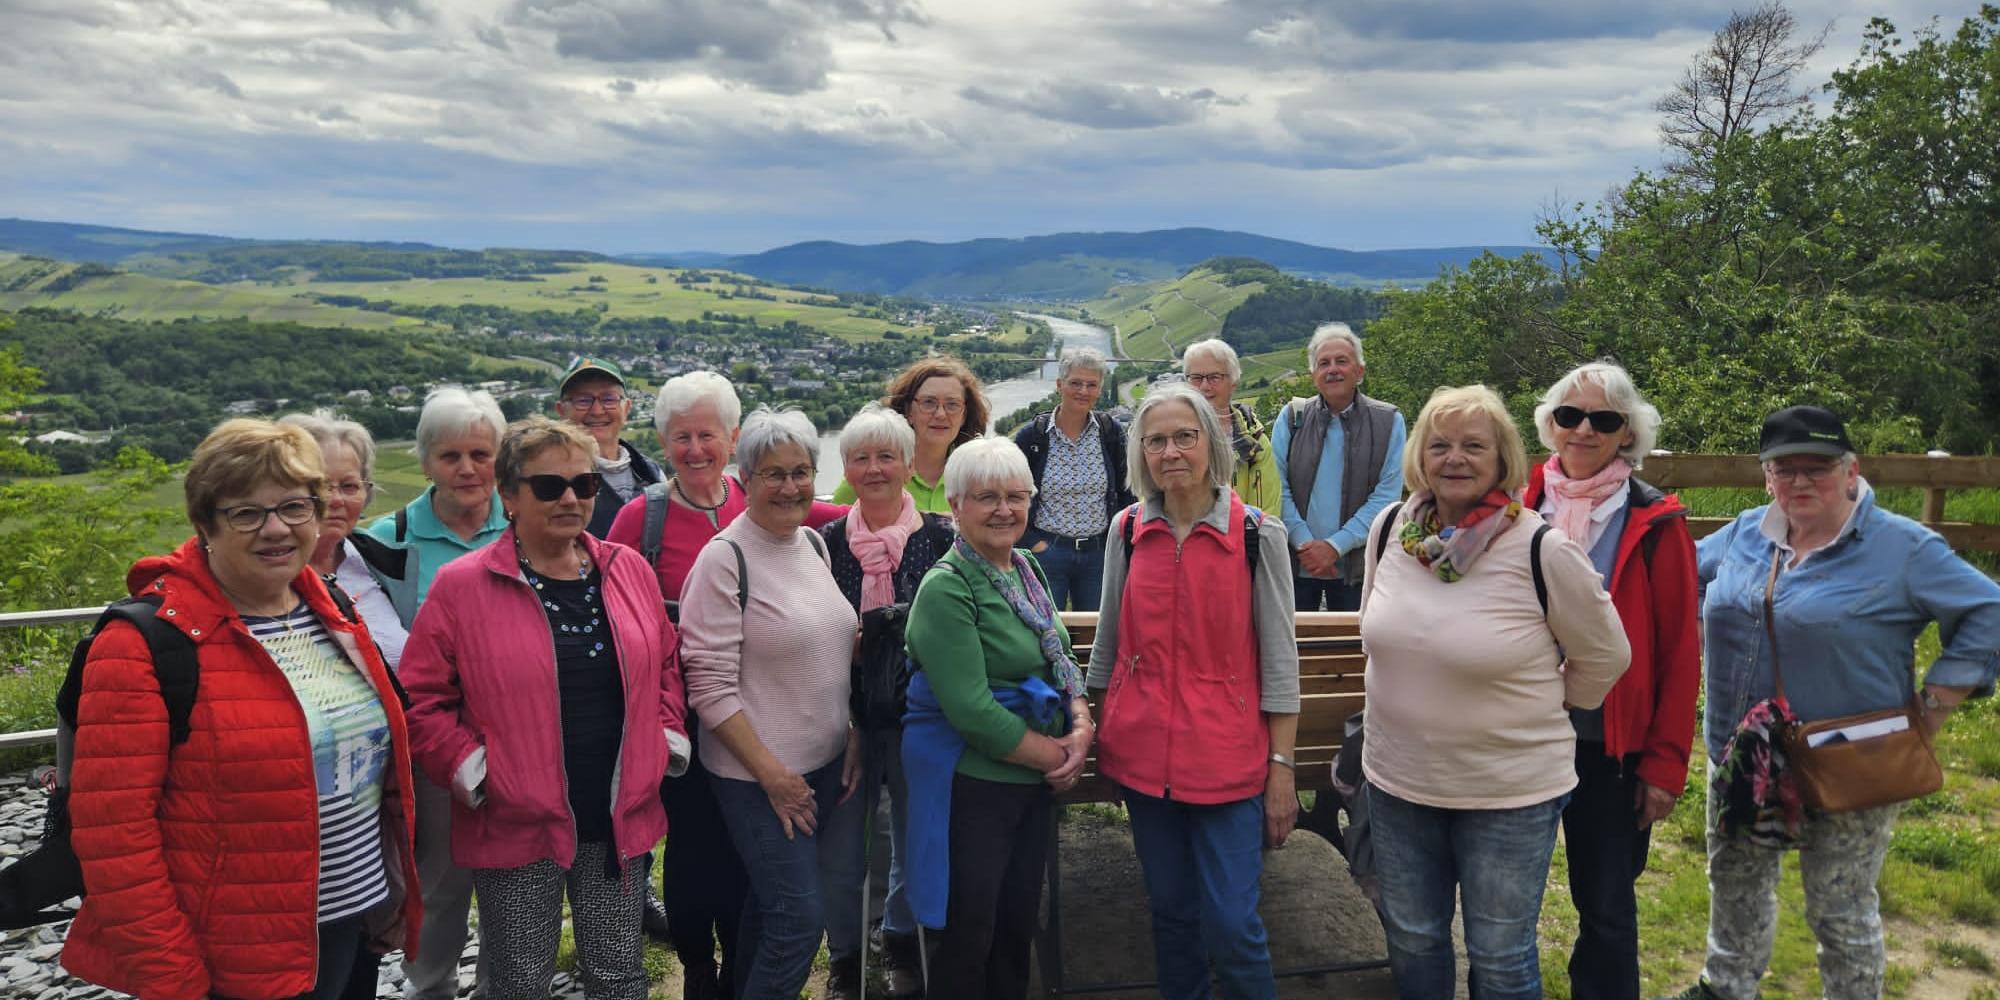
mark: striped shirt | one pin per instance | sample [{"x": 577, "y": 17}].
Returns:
[{"x": 350, "y": 741}]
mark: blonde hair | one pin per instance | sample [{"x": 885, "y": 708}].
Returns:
[
  {"x": 1459, "y": 401},
  {"x": 243, "y": 453},
  {"x": 532, "y": 435}
]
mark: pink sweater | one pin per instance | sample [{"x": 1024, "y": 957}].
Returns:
[
  {"x": 783, "y": 661},
  {"x": 1465, "y": 682}
]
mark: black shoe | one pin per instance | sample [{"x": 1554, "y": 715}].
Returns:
[
  {"x": 653, "y": 917},
  {"x": 902, "y": 967},
  {"x": 843, "y": 979},
  {"x": 699, "y": 983},
  {"x": 1699, "y": 991}
]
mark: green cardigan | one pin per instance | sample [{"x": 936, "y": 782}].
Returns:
[{"x": 967, "y": 640}]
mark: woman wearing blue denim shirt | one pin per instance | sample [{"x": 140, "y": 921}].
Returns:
[{"x": 1856, "y": 586}]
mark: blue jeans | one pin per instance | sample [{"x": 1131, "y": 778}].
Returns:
[
  {"x": 788, "y": 907},
  {"x": 1076, "y": 576},
  {"x": 1310, "y": 591},
  {"x": 881, "y": 762},
  {"x": 1202, "y": 865},
  {"x": 1498, "y": 862}
]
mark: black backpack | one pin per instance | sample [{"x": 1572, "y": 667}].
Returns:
[
  {"x": 1252, "y": 517},
  {"x": 33, "y": 888}
]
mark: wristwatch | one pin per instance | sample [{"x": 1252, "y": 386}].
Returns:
[{"x": 1278, "y": 758}]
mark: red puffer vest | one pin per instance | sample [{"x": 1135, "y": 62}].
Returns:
[
  {"x": 1182, "y": 715},
  {"x": 202, "y": 859}
]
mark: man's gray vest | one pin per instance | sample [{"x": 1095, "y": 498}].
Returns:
[{"x": 1365, "y": 446}]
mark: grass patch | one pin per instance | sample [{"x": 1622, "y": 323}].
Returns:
[{"x": 1959, "y": 954}]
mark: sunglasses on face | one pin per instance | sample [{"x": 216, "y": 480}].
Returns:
[
  {"x": 1601, "y": 421},
  {"x": 548, "y": 487}
]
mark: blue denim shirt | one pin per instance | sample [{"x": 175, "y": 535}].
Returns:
[{"x": 1847, "y": 619}]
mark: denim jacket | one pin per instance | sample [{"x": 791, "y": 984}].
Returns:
[{"x": 1847, "y": 618}]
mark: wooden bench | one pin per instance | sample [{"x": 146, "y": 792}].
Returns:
[{"x": 1330, "y": 690}]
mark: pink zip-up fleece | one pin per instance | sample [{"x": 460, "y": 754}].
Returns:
[{"x": 480, "y": 668}]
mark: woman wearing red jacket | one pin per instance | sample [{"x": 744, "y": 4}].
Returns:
[
  {"x": 268, "y": 854},
  {"x": 1632, "y": 754}
]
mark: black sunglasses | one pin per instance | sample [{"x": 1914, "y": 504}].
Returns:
[
  {"x": 1601, "y": 421},
  {"x": 548, "y": 487}
]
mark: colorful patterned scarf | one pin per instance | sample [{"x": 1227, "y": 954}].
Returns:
[
  {"x": 1450, "y": 550},
  {"x": 1024, "y": 593},
  {"x": 1758, "y": 795}
]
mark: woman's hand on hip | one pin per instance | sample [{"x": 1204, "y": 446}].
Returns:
[
  {"x": 1281, "y": 806},
  {"x": 792, "y": 799}
]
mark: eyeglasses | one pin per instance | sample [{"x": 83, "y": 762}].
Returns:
[
  {"x": 548, "y": 487},
  {"x": 932, "y": 404},
  {"x": 295, "y": 511},
  {"x": 775, "y": 478},
  {"x": 1215, "y": 378},
  {"x": 1601, "y": 421},
  {"x": 1081, "y": 385},
  {"x": 1816, "y": 473},
  {"x": 354, "y": 490},
  {"x": 994, "y": 498},
  {"x": 1183, "y": 440},
  {"x": 609, "y": 401}
]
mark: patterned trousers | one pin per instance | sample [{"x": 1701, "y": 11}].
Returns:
[
  {"x": 1840, "y": 858},
  {"x": 520, "y": 923}
]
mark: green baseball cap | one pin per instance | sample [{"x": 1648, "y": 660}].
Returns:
[{"x": 584, "y": 364}]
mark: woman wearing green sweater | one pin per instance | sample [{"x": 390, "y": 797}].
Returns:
[{"x": 997, "y": 720}]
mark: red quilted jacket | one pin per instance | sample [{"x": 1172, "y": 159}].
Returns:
[{"x": 202, "y": 860}]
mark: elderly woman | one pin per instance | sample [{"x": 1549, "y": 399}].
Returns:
[
  {"x": 294, "y": 732},
  {"x": 545, "y": 694},
  {"x": 1195, "y": 646},
  {"x": 1077, "y": 457},
  {"x": 997, "y": 719},
  {"x": 381, "y": 579},
  {"x": 1632, "y": 753},
  {"x": 696, "y": 418},
  {"x": 1852, "y": 586},
  {"x": 1482, "y": 629},
  {"x": 881, "y": 551},
  {"x": 458, "y": 433},
  {"x": 1212, "y": 368},
  {"x": 946, "y": 406},
  {"x": 768, "y": 644}
]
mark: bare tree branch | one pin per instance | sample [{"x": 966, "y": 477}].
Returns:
[{"x": 1744, "y": 77}]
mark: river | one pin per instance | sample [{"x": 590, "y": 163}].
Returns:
[{"x": 1002, "y": 398}]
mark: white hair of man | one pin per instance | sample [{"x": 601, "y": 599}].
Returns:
[
  {"x": 683, "y": 392},
  {"x": 1218, "y": 350},
  {"x": 1221, "y": 457},
  {"x": 877, "y": 425},
  {"x": 1089, "y": 359},
  {"x": 986, "y": 461},
  {"x": 329, "y": 428},
  {"x": 451, "y": 411},
  {"x": 1619, "y": 393},
  {"x": 768, "y": 429},
  {"x": 1326, "y": 333}
]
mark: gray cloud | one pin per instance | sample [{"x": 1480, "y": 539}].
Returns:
[
  {"x": 386, "y": 9},
  {"x": 1102, "y": 105},
  {"x": 622, "y": 87}
]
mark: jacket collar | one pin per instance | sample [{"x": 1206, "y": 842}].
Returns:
[
  {"x": 1639, "y": 494},
  {"x": 1222, "y": 516},
  {"x": 424, "y": 521},
  {"x": 499, "y": 556}
]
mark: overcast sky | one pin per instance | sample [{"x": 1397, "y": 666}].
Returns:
[{"x": 737, "y": 125}]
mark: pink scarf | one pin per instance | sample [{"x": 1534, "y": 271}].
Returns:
[
  {"x": 880, "y": 552},
  {"x": 1572, "y": 500}
]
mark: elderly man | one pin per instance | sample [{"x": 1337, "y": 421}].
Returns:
[
  {"x": 592, "y": 396},
  {"x": 1340, "y": 455}
]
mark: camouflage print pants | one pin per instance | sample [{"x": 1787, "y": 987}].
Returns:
[{"x": 1840, "y": 857}]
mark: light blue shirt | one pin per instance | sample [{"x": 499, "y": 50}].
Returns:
[
  {"x": 436, "y": 544},
  {"x": 1325, "y": 520},
  {"x": 1847, "y": 618}
]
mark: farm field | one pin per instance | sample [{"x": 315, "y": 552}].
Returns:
[
  {"x": 24, "y": 284},
  {"x": 1157, "y": 319}
]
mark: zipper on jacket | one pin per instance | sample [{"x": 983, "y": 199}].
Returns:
[
  {"x": 1167, "y": 775},
  {"x": 557, "y": 681}
]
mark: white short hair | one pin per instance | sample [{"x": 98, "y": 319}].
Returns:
[
  {"x": 768, "y": 429},
  {"x": 1221, "y": 454},
  {"x": 1619, "y": 393},
  {"x": 1089, "y": 359},
  {"x": 451, "y": 411},
  {"x": 1327, "y": 332},
  {"x": 986, "y": 461},
  {"x": 682, "y": 392},
  {"x": 329, "y": 428},
  {"x": 1217, "y": 349},
  {"x": 878, "y": 425}
]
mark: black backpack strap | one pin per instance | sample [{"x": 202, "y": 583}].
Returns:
[
  {"x": 1252, "y": 517},
  {"x": 742, "y": 576},
  {"x": 402, "y": 524},
  {"x": 1382, "y": 540},
  {"x": 1535, "y": 567},
  {"x": 651, "y": 538},
  {"x": 819, "y": 546},
  {"x": 1126, "y": 520},
  {"x": 174, "y": 664},
  {"x": 341, "y": 601}
]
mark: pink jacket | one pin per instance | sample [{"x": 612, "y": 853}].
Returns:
[{"x": 480, "y": 669}]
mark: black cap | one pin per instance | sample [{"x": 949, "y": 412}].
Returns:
[{"x": 1802, "y": 430}]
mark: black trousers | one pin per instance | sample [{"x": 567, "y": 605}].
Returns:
[
  {"x": 703, "y": 881},
  {"x": 999, "y": 847},
  {"x": 1607, "y": 852}
]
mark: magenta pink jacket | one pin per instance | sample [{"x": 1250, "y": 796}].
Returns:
[{"x": 480, "y": 668}]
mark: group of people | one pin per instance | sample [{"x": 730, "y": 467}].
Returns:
[{"x": 561, "y": 654}]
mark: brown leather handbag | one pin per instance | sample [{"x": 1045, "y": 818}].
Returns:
[{"x": 1845, "y": 774}]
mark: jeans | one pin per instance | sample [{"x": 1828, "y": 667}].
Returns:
[
  {"x": 1606, "y": 852},
  {"x": 1309, "y": 591},
  {"x": 702, "y": 880},
  {"x": 344, "y": 961},
  {"x": 1000, "y": 836},
  {"x": 1076, "y": 576},
  {"x": 881, "y": 760},
  {"x": 1202, "y": 865},
  {"x": 788, "y": 905},
  {"x": 1496, "y": 860}
]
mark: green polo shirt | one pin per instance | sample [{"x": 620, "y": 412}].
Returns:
[
  {"x": 434, "y": 543},
  {"x": 929, "y": 496}
]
